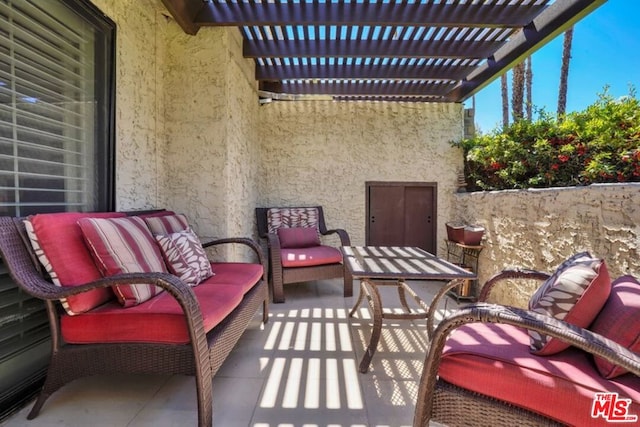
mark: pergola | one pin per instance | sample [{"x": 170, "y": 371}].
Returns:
[{"x": 391, "y": 50}]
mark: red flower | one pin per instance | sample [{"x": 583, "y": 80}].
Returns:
[
  {"x": 563, "y": 158},
  {"x": 495, "y": 166},
  {"x": 555, "y": 166}
]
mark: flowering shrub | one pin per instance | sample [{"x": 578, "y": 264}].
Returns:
[{"x": 599, "y": 144}]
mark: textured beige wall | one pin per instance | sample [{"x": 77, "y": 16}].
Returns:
[
  {"x": 186, "y": 119},
  {"x": 538, "y": 229},
  {"x": 324, "y": 152},
  {"x": 139, "y": 101}
]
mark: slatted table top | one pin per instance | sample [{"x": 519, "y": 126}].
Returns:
[{"x": 399, "y": 262}]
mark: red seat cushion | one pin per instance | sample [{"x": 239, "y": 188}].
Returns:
[
  {"x": 307, "y": 257},
  {"x": 243, "y": 275},
  {"x": 159, "y": 319},
  {"x": 60, "y": 247},
  {"x": 494, "y": 360}
]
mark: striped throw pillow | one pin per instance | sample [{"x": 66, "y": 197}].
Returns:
[
  {"x": 167, "y": 224},
  {"x": 185, "y": 256},
  {"x": 124, "y": 245}
]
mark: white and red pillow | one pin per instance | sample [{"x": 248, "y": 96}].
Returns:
[
  {"x": 291, "y": 217},
  {"x": 185, "y": 256},
  {"x": 58, "y": 243},
  {"x": 575, "y": 293},
  {"x": 124, "y": 245}
]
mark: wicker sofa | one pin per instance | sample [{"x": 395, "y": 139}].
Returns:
[
  {"x": 481, "y": 369},
  {"x": 180, "y": 329}
]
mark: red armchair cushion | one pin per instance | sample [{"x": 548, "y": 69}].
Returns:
[
  {"x": 58, "y": 243},
  {"x": 619, "y": 320},
  {"x": 159, "y": 319},
  {"x": 298, "y": 237},
  {"x": 306, "y": 257},
  {"x": 124, "y": 245},
  {"x": 575, "y": 293},
  {"x": 494, "y": 360}
]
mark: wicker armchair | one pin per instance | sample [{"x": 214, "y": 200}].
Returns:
[
  {"x": 280, "y": 274},
  {"x": 201, "y": 357},
  {"x": 443, "y": 402}
]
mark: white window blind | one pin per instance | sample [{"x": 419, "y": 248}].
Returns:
[
  {"x": 56, "y": 151},
  {"x": 47, "y": 108}
]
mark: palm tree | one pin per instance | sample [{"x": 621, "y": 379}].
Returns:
[
  {"x": 528, "y": 78},
  {"x": 505, "y": 100},
  {"x": 564, "y": 73},
  {"x": 517, "y": 98}
]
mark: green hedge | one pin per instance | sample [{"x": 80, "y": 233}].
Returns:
[{"x": 599, "y": 144}]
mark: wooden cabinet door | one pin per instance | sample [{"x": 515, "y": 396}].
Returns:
[{"x": 401, "y": 214}]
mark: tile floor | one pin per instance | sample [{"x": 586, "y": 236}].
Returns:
[{"x": 301, "y": 369}]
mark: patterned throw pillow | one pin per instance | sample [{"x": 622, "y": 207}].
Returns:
[
  {"x": 575, "y": 293},
  {"x": 185, "y": 256},
  {"x": 619, "y": 321},
  {"x": 298, "y": 237},
  {"x": 124, "y": 245},
  {"x": 291, "y": 218},
  {"x": 167, "y": 224}
]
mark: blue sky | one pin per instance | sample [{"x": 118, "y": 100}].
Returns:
[{"x": 606, "y": 51}]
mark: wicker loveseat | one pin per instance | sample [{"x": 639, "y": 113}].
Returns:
[
  {"x": 296, "y": 253},
  {"x": 178, "y": 325},
  {"x": 481, "y": 369}
]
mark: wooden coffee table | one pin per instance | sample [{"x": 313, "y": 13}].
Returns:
[{"x": 392, "y": 266}]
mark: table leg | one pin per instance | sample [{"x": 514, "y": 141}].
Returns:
[
  {"x": 359, "y": 300},
  {"x": 401, "y": 285},
  {"x": 376, "y": 308}
]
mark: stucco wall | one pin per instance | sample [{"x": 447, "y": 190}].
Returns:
[
  {"x": 324, "y": 152},
  {"x": 186, "y": 119},
  {"x": 139, "y": 101},
  {"x": 538, "y": 229}
]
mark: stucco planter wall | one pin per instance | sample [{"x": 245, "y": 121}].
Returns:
[{"x": 539, "y": 228}]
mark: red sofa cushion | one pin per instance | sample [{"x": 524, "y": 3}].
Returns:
[
  {"x": 575, "y": 293},
  {"x": 244, "y": 275},
  {"x": 494, "y": 360},
  {"x": 159, "y": 319},
  {"x": 306, "y": 257},
  {"x": 298, "y": 237},
  {"x": 124, "y": 245},
  {"x": 60, "y": 247},
  {"x": 619, "y": 320}
]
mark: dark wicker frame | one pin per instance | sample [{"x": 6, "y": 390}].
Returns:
[
  {"x": 446, "y": 403},
  {"x": 202, "y": 357},
  {"x": 279, "y": 276}
]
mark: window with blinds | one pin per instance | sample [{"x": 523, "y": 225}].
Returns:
[{"x": 56, "y": 149}]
